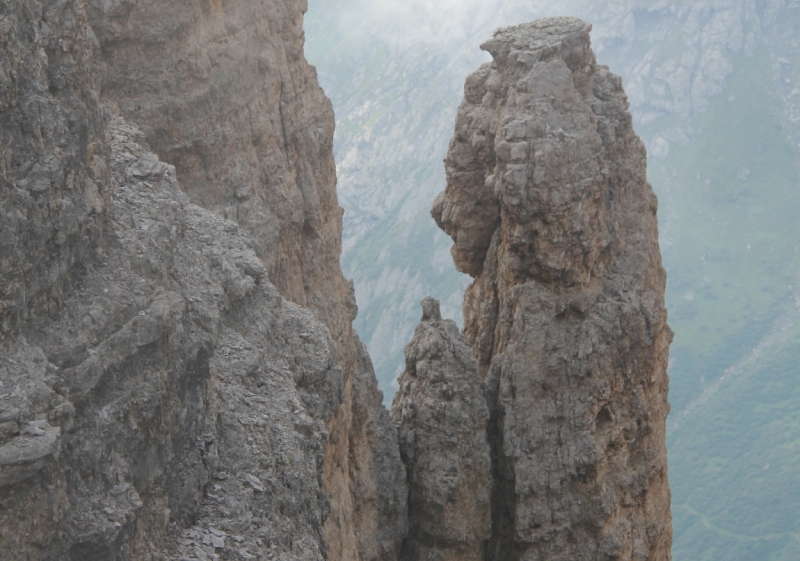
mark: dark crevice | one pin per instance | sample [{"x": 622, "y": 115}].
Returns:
[{"x": 501, "y": 546}]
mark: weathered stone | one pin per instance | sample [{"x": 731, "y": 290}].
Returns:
[
  {"x": 146, "y": 329},
  {"x": 149, "y": 392},
  {"x": 21, "y": 458},
  {"x": 145, "y": 166},
  {"x": 441, "y": 415},
  {"x": 232, "y": 103},
  {"x": 548, "y": 204},
  {"x": 180, "y": 372}
]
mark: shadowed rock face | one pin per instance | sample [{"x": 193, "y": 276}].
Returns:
[
  {"x": 548, "y": 205},
  {"x": 441, "y": 415}
]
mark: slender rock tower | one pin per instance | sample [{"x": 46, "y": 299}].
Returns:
[
  {"x": 549, "y": 207},
  {"x": 441, "y": 413}
]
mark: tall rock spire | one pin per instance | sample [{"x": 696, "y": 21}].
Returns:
[{"x": 549, "y": 207}]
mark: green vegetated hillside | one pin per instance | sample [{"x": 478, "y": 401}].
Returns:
[
  {"x": 732, "y": 246},
  {"x": 732, "y": 197},
  {"x": 736, "y": 493},
  {"x": 715, "y": 94}
]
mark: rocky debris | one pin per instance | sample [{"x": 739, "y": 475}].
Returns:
[
  {"x": 441, "y": 415},
  {"x": 548, "y": 205}
]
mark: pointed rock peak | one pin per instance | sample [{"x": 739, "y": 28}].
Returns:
[
  {"x": 431, "y": 310},
  {"x": 549, "y": 208},
  {"x": 441, "y": 417}
]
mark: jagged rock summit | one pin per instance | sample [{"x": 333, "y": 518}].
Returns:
[{"x": 548, "y": 204}]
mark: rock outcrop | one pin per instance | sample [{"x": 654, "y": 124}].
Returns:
[
  {"x": 441, "y": 414},
  {"x": 170, "y": 403},
  {"x": 233, "y": 104},
  {"x": 224, "y": 93},
  {"x": 159, "y": 397},
  {"x": 549, "y": 207},
  {"x": 179, "y": 377}
]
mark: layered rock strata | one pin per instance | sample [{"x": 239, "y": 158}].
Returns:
[
  {"x": 441, "y": 414},
  {"x": 549, "y": 207},
  {"x": 159, "y": 397}
]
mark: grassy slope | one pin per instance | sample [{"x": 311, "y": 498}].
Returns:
[
  {"x": 732, "y": 252},
  {"x": 736, "y": 493},
  {"x": 732, "y": 257}
]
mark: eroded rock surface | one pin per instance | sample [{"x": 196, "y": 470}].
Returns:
[
  {"x": 179, "y": 377},
  {"x": 441, "y": 415},
  {"x": 549, "y": 207},
  {"x": 171, "y": 387},
  {"x": 159, "y": 397},
  {"x": 224, "y": 93}
]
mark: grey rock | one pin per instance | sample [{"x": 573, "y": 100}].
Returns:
[
  {"x": 252, "y": 482},
  {"x": 35, "y": 428},
  {"x": 21, "y": 458},
  {"x": 548, "y": 205},
  {"x": 148, "y": 391},
  {"x": 232, "y": 103},
  {"x": 145, "y": 166},
  {"x": 132, "y": 321},
  {"x": 148, "y": 331},
  {"x": 441, "y": 415}
]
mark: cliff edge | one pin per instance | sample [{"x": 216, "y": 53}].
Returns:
[{"x": 224, "y": 93}]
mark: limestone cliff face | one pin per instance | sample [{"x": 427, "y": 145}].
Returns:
[
  {"x": 224, "y": 93},
  {"x": 441, "y": 414},
  {"x": 548, "y": 205},
  {"x": 52, "y": 126},
  {"x": 159, "y": 397}
]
